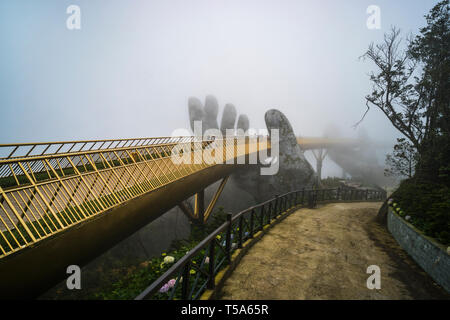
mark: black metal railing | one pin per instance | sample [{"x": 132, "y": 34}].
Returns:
[{"x": 188, "y": 278}]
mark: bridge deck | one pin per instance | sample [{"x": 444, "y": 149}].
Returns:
[{"x": 43, "y": 194}]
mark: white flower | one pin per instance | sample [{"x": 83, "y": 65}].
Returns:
[
  {"x": 407, "y": 218},
  {"x": 169, "y": 260},
  {"x": 206, "y": 260}
]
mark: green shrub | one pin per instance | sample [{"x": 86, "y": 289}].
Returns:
[
  {"x": 428, "y": 205},
  {"x": 142, "y": 275}
]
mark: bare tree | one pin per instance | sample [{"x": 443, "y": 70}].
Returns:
[{"x": 393, "y": 91}]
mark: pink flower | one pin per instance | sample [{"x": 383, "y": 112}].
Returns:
[
  {"x": 171, "y": 283},
  {"x": 164, "y": 288}
]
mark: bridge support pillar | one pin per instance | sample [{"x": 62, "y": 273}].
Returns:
[
  {"x": 199, "y": 205},
  {"x": 320, "y": 156},
  {"x": 200, "y": 215}
]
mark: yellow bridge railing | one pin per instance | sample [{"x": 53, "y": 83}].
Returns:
[{"x": 46, "y": 188}]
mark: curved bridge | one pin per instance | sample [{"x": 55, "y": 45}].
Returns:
[{"x": 64, "y": 203}]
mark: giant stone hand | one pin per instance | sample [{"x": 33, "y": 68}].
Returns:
[{"x": 294, "y": 172}]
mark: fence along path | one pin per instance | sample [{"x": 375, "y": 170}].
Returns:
[{"x": 197, "y": 270}]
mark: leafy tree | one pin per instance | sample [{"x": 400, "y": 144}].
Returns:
[
  {"x": 431, "y": 51},
  {"x": 412, "y": 88},
  {"x": 402, "y": 161}
]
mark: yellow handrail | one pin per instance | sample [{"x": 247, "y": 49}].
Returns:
[{"x": 43, "y": 192}]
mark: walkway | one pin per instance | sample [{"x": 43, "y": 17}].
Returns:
[{"x": 323, "y": 254}]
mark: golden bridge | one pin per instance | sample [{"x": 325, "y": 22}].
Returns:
[{"x": 64, "y": 203}]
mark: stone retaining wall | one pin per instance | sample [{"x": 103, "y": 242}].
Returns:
[{"x": 429, "y": 254}]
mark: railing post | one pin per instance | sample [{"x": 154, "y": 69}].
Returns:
[
  {"x": 276, "y": 205},
  {"x": 315, "y": 197},
  {"x": 303, "y": 195},
  {"x": 262, "y": 218},
  {"x": 185, "y": 282},
  {"x": 211, "y": 281},
  {"x": 228, "y": 237},
  {"x": 269, "y": 213},
  {"x": 338, "y": 195},
  {"x": 309, "y": 199},
  {"x": 367, "y": 194},
  {"x": 240, "y": 232},
  {"x": 252, "y": 222}
]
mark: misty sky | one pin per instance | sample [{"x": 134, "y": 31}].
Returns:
[{"x": 131, "y": 68}]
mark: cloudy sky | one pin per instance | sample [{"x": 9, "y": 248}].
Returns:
[{"x": 130, "y": 69}]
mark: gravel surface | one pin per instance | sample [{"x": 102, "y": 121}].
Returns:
[{"x": 324, "y": 254}]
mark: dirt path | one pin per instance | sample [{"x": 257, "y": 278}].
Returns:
[{"x": 324, "y": 254}]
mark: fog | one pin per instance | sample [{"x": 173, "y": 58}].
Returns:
[{"x": 130, "y": 69}]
